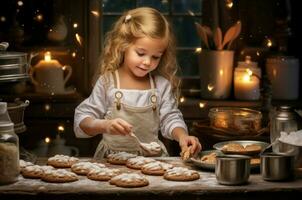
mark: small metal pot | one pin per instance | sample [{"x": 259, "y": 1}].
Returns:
[
  {"x": 277, "y": 167},
  {"x": 232, "y": 169}
]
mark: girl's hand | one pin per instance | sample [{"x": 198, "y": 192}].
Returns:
[
  {"x": 189, "y": 145},
  {"x": 118, "y": 127}
]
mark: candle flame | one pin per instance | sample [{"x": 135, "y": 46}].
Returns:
[
  {"x": 246, "y": 78},
  {"x": 47, "y": 140},
  {"x": 47, "y": 56}
]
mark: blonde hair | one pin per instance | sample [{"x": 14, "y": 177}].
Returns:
[{"x": 134, "y": 24}]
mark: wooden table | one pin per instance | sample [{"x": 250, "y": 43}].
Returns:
[{"x": 204, "y": 188}]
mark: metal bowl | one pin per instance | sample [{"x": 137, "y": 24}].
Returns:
[
  {"x": 277, "y": 167},
  {"x": 244, "y": 143},
  {"x": 232, "y": 169}
]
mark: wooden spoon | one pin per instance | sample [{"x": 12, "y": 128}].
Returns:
[
  {"x": 202, "y": 33},
  {"x": 237, "y": 33},
  {"x": 229, "y": 35},
  {"x": 218, "y": 38}
]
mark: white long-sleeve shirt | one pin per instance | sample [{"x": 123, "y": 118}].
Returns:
[{"x": 101, "y": 98}]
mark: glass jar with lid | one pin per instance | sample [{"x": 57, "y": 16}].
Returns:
[{"x": 9, "y": 148}]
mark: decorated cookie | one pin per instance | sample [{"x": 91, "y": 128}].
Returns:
[
  {"x": 62, "y": 161},
  {"x": 181, "y": 174},
  {"x": 129, "y": 180},
  {"x": 102, "y": 174},
  {"x": 24, "y": 163},
  {"x": 83, "y": 168},
  {"x": 59, "y": 176},
  {"x": 138, "y": 162},
  {"x": 32, "y": 171},
  {"x": 119, "y": 158},
  {"x": 157, "y": 168}
]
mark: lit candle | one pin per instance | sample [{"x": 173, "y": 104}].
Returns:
[
  {"x": 49, "y": 75},
  {"x": 247, "y": 80},
  {"x": 246, "y": 85},
  {"x": 49, "y": 62}
]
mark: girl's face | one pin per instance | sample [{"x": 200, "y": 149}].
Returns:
[{"x": 143, "y": 56}]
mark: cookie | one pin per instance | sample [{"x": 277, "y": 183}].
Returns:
[
  {"x": 181, "y": 174},
  {"x": 59, "y": 176},
  {"x": 119, "y": 158},
  {"x": 209, "y": 159},
  {"x": 157, "y": 168},
  {"x": 24, "y": 163},
  {"x": 103, "y": 174},
  {"x": 62, "y": 161},
  {"x": 186, "y": 154},
  {"x": 233, "y": 147},
  {"x": 253, "y": 147},
  {"x": 34, "y": 171},
  {"x": 83, "y": 168},
  {"x": 138, "y": 162},
  {"x": 129, "y": 180}
]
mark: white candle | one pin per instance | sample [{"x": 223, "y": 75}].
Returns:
[{"x": 246, "y": 85}]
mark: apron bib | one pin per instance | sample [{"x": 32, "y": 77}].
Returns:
[{"x": 145, "y": 121}]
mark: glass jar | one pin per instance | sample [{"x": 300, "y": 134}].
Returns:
[
  {"x": 9, "y": 149},
  {"x": 241, "y": 120}
]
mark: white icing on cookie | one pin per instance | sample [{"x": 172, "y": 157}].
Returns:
[
  {"x": 24, "y": 163},
  {"x": 121, "y": 156},
  {"x": 140, "y": 160},
  {"x": 128, "y": 177},
  {"x": 178, "y": 171},
  {"x": 157, "y": 166},
  {"x": 104, "y": 172},
  {"x": 59, "y": 173},
  {"x": 63, "y": 158}
]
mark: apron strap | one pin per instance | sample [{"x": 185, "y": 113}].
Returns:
[
  {"x": 153, "y": 97},
  {"x": 118, "y": 94}
]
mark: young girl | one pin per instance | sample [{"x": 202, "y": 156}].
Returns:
[{"x": 137, "y": 88}]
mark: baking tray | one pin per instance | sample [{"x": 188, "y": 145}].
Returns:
[
  {"x": 211, "y": 167},
  {"x": 244, "y": 143}
]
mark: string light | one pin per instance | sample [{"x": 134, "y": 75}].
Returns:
[
  {"x": 47, "y": 107},
  {"x": 182, "y": 99},
  {"x": 198, "y": 50},
  {"x": 47, "y": 140},
  {"x": 95, "y": 13},
  {"x": 202, "y": 105}
]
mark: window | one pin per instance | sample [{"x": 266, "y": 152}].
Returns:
[{"x": 181, "y": 13}]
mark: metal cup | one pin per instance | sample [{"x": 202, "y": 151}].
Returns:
[
  {"x": 277, "y": 167},
  {"x": 232, "y": 169}
]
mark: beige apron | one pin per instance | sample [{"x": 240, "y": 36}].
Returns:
[{"x": 145, "y": 121}]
